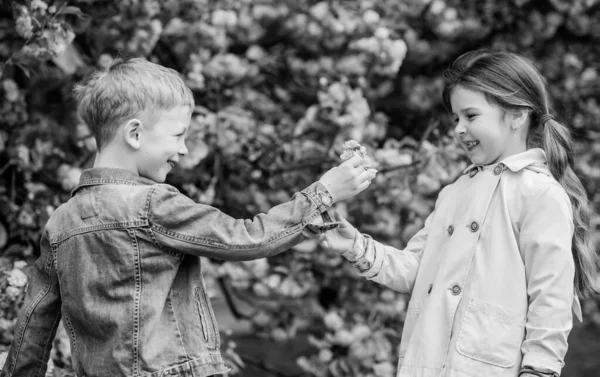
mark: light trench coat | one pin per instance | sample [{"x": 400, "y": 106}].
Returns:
[{"x": 491, "y": 275}]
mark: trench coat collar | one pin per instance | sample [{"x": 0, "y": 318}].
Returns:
[{"x": 534, "y": 159}]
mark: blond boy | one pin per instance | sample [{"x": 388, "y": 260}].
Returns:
[{"x": 120, "y": 262}]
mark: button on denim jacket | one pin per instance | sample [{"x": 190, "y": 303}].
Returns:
[{"x": 120, "y": 265}]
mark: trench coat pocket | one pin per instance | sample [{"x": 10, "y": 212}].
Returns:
[
  {"x": 410, "y": 321},
  {"x": 491, "y": 334}
]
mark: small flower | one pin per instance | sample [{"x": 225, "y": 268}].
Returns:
[
  {"x": 13, "y": 293},
  {"x": 382, "y": 33},
  {"x": 333, "y": 321},
  {"x": 325, "y": 355},
  {"x": 20, "y": 264},
  {"x": 17, "y": 278},
  {"x": 361, "y": 331},
  {"x": 343, "y": 337},
  {"x": 38, "y": 5},
  {"x": 371, "y": 16},
  {"x": 11, "y": 90}
]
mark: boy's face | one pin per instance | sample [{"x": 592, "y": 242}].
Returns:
[{"x": 162, "y": 142}]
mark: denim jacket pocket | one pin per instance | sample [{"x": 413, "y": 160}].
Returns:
[
  {"x": 410, "y": 321},
  {"x": 210, "y": 332},
  {"x": 491, "y": 334}
]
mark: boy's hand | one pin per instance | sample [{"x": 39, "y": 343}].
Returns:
[
  {"x": 340, "y": 239},
  {"x": 347, "y": 179}
]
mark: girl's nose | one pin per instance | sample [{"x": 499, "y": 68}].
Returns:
[{"x": 183, "y": 149}]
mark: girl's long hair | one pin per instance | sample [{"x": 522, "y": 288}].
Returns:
[{"x": 512, "y": 82}]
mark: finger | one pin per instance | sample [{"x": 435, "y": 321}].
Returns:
[
  {"x": 324, "y": 244},
  {"x": 366, "y": 176},
  {"x": 340, "y": 218},
  {"x": 363, "y": 186},
  {"x": 354, "y": 161}
]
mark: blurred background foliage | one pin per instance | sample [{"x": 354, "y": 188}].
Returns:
[{"x": 279, "y": 86}]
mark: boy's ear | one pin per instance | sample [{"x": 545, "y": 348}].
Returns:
[{"x": 133, "y": 128}]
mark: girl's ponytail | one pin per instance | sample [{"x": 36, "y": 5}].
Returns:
[{"x": 556, "y": 142}]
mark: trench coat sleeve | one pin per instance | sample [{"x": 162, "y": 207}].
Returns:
[
  {"x": 394, "y": 268},
  {"x": 545, "y": 240}
]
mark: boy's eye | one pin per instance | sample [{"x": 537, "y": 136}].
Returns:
[{"x": 471, "y": 116}]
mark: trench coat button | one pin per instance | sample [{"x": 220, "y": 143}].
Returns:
[
  {"x": 498, "y": 169},
  {"x": 450, "y": 230},
  {"x": 456, "y": 290},
  {"x": 472, "y": 173},
  {"x": 326, "y": 200},
  {"x": 474, "y": 226},
  {"x": 430, "y": 288}
]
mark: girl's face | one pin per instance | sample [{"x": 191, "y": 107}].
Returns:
[{"x": 482, "y": 128}]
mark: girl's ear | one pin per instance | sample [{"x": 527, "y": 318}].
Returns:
[
  {"x": 519, "y": 119},
  {"x": 132, "y": 133}
]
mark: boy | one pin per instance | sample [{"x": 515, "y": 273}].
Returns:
[{"x": 120, "y": 260}]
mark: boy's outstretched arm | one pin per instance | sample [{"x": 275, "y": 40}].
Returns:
[
  {"x": 179, "y": 224},
  {"x": 38, "y": 320}
]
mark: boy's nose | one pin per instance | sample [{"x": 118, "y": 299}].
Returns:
[{"x": 459, "y": 129}]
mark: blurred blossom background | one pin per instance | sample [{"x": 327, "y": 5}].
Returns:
[{"x": 279, "y": 86}]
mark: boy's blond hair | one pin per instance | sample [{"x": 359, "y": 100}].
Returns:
[{"x": 126, "y": 89}]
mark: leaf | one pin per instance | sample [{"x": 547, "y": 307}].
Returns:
[
  {"x": 3, "y": 236},
  {"x": 73, "y": 10}
]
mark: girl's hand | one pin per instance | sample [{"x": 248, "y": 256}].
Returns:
[
  {"x": 340, "y": 239},
  {"x": 347, "y": 179}
]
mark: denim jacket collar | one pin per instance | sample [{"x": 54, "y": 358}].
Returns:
[
  {"x": 534, "y": 159},
  {"x": 103, "y": 176}
]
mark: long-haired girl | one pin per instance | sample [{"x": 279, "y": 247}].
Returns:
[{"x": 496, "y": 272}]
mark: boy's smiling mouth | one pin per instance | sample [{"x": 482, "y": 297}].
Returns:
[
  {"x": 470, "y": 144},
  {"x": 172, "y": 163}
]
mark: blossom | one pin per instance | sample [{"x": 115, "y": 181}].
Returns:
[
  {"x": 325, "y": 355},
  {"x": 333, "y": 321},
  {"x": 11, "y": 90},
  {"x": 38, "y": 5},
  {"x": 371, "y": 17},
  {"x": 17, "y": 278},
  {"x": 13, "y": 292},
  {"x": 24, "y": 24}
]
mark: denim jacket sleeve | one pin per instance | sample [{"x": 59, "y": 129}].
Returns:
[
  {"x": 396, "y": 269},
  {"x": 545, "y": 244},
  {"x": 180, "y": 224},
  {"x": 38, "y": 320}
]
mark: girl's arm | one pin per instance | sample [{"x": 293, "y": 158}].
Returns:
[
  {"x": 396, "y": 269},
  {"x": 545, "y": 244}
]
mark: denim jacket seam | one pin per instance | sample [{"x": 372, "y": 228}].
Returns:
[
  {"x": 216, "y": 244},
  {"x": 137, "y": 300},
  {"x": 314, "y": 198},
  {"x": 71, "y": 330},
  {"x": 21, "y": 331},
  {"x": 92, "y": 228},
  {"x": 175, "y": 254}
]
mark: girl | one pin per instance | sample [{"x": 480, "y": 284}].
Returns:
[{"x": 496, "y": 271}]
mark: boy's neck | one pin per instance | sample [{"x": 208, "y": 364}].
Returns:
[{"x": 114, "y": 157}]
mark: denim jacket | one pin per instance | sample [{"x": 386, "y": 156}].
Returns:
[
  {"x": 120, "y": 264},
  {"x": 491, "y": 275}
]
